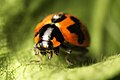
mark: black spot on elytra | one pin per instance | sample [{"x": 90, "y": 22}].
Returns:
[
  {"x": 57, "y": 34},
  {"x": 75, "y": 28}
]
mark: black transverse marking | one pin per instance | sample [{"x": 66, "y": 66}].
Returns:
[
  {"x": 55, "y": 32},
  {"x": 60, "y": 18},
  {"x": 36, "y": 34},
  {"x": 75, "y": 28},
  {"x": 43, "y": 29}
]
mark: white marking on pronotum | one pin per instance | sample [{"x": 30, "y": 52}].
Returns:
[{"x": 47, "y": 34}]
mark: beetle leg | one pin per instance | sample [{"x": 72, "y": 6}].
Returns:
[
  {"x": 68, "y": 61},
  {"x": 50, "y": 54},
  {"x": 68, "y": 51},
  {"x": 37, "y": 52},
  {"x": 66, "y": 48},
  {"x": 56, "y": 50}
]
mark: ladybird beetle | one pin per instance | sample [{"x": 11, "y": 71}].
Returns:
[{"x": 58, "y": 30}]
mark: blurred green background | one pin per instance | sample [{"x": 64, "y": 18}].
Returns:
[{"x": 18, "y": 19}]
